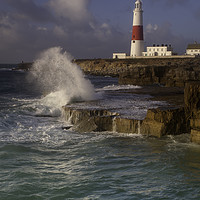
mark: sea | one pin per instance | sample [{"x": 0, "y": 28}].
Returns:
[{"x": 41, "y": 160}]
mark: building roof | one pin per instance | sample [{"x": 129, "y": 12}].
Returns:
[{"x": 193, "y": 46}]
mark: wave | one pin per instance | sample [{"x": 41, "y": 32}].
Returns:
[
  {"x": 5, "y": 69},
  {"x": 60, "y": 80},
  {"x": 118, "y": 87}
]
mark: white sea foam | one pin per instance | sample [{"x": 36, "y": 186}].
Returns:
[
  {"x": 118, "y": 87},
  {"x": 5, "y": 69},
  {"x": 60, "y": 80}
]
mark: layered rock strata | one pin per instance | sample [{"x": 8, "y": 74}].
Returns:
[
  {"x": 170, "y": 76},
  {"x": 161, "y": 122},
  {"x": 87, "y": 120},
  {"x": 171, "y": 72},
  {"x": 192, "y": 109},
  {"x": 157, "y": 123}
]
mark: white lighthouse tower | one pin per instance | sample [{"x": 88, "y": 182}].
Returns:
[{"x": 137, "y": 42}]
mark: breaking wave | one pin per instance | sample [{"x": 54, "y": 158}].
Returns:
[{"x": 60, "y": 80}]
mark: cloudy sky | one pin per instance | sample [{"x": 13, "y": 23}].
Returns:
[{"x": 92, "y": 28}]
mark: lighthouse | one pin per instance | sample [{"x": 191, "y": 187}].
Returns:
[{"x": 137, "y": 42}]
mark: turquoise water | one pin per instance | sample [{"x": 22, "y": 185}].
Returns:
[{"x": 39, "y": 160}]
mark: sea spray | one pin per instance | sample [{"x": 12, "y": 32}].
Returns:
[{"x": 60, "y": 80}]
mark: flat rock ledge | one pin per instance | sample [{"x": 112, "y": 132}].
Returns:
[{"x": 157, "y": 123}]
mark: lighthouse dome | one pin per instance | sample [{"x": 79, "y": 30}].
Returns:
[{"x": 138, "y": 5}]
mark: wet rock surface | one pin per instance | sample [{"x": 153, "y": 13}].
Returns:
[
  {"x": 158, "y": 122},
  {"x": 180, "y": 117}
]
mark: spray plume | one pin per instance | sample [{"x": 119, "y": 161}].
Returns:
[{"x": 59, "y": 78}]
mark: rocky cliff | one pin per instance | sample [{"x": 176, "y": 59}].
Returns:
[
  {"x": 192, "y": 109},
  {"x": 157, "y": 123},
  {"x": 170, "y": 72},
  {"x": 146, "y": 71}
]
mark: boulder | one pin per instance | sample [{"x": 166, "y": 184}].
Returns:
[{"x": 161, "y": 122}]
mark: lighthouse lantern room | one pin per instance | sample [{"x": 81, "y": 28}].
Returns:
[{"x": 137, "y": 42}]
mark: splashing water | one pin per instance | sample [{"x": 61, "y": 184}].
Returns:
[{"x": 60, "y": 80}]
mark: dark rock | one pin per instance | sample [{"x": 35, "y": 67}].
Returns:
[
  {"x": 87, "y": 120},
  {"x": 146, "y": 71},
  {"x": 23, "y": 66},
  {"x": 192, "y": 109},
  {"x": 66, "y": 127},
  {"x": 159, "y": 122}
]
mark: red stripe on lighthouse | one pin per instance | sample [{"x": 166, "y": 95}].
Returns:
[{"x": 137, "y": 33}]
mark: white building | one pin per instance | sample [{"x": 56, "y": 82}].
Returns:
[
  {"x": 193, "y": 49},
  {"x": 157, "y": 50},
  {"x": 119, "y": 56}
]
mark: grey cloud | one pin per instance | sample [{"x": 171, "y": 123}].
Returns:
[
  {"x": 75, "y": 11},
  {"x": 29, "y": 9},
  {"x": 27, "y": 28},
  {"x": 163, "y": 34}
]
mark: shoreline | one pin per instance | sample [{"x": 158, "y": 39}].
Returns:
[
  {"x": 174, "y": 80},
  {"x": 158, "y": 122}
]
